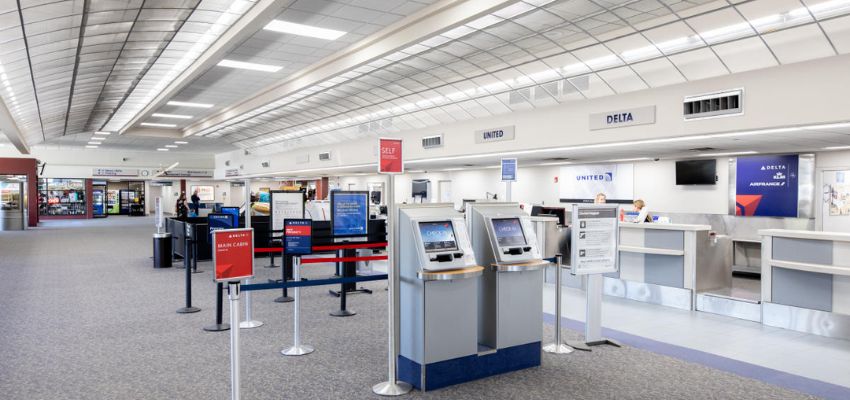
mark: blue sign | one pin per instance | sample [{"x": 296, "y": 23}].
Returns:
[
  {"x": 349, "y": 213},
  {"x": 767, "y": 186},
  {"x": 234, "y": 211},
  {"x": 298, "y": 236},
  {"x": 509, "y": 170},
  {"x": 220, "y": 221}
]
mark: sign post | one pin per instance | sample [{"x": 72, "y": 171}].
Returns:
[
  {"x": 297, "y": 241},
  {"x": 217, "y": 222},
  {"x": 233, "y": 260},
  {"x": 249, "y": 321},
  {"x": 391, "y": 163},
  {"x": 160, "y": 221},
  {"x": 595, "y": 230},
  {"x": 509, "y": 168}
]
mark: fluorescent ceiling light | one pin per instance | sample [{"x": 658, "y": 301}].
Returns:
[
  {"x": 249, "y": 66},
  {"x": 632, "y": 159},
  {"x": 158, "y": 125},
  {"x": 103, "y": 133},
  {"x": 91, "y": 147},
  {"x": 161, "y": 149},
  {"x": 174, "y": 116},
  {"x": 181, "y": 142},
  {"x": 171, "y": 146},
  {"x": 98, "y": 138},
  {"x": 837, "y": 148},
  {"x": 733, "y": 153},
  {"x": 303, "y": 30},
  {"x": 188, "y": 104},
  {"x": 95, "y": 143}
]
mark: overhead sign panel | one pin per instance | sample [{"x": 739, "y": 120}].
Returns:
[
  {"x": 233, "y": 254},
  {"x": 495, "y": 134},
  {"x": 115, "y": 172},
  {"x": 767, "y": 186},
  {"x": 390, "y": 157},
  {"x": 581, "y": 183},
  {"x": 622, "y": 118}
]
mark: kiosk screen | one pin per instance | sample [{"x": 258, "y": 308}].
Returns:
[
  {"x": 508, "y": 232},
  {"x": 438, "y": 236}
]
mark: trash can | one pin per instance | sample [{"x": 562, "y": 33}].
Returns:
[{"x": 162, "y": 250}]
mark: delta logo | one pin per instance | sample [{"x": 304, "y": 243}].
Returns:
[{"x": 604, "y": 177}]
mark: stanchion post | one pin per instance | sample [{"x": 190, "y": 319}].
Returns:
[
  {"x": 249, "y": 321},
  {"x": 297, "y": 348},
  {"x": 558, "y": 347},
  {"x": 284, "y": 260},
  {"x": 187, "y": 263},
  {"x": 195, "y": 257},
  {"x": 219, "y": 300},
  {"x": 392, "y": 387},
  {"x": 233, "y": 295}
]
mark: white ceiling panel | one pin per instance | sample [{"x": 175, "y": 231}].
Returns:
[
  {"x": 659, "y": 72},
  {"x": 745, "y": 55},
  {"x": 799, "y": 44},
  {"x": 838, "y": 30},
  {"x": 699, "y": 64}
]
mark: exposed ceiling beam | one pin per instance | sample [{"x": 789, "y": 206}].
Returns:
[
  {"x": 258, "y": 16},
  {"x": 10, "y": 128},
  {"x": 413, "y": 29}
]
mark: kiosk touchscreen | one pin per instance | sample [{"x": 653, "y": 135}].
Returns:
[
  {"x": 442, "y": 243},
  {"x": 512, "y": 239}
]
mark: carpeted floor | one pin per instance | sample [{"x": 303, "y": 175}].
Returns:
[{"x": 83, "y": 315}]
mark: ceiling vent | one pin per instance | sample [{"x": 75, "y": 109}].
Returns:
[
  {"x": 519, "y": 96},
  {"x": 430, "y": 142},
  {"x": 702, "y": 149},
  {"x": 326, "y": 156},
  {"x": 555, "y": 159},
  {"x": 265, "y": 164},
  {"x": 714, "y": 105}
]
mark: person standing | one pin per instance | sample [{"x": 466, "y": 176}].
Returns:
[
  {"x": 196, "y": 203},
  {"x": 601, "y": 198},
  {"x": 643, "y": 212},
  {"x": 180, "y": 208}
]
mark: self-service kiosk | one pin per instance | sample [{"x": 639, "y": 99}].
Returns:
[
  {"x": 438, "y": 296},
  {"x": 510, "y": 301}
]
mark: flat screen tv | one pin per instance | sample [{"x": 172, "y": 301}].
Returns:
[{"x": 696, "y": 172}]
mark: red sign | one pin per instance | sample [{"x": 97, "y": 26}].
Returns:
[
  {"x": 390, "y": 161},
  {"x": 233, "y": 254}
]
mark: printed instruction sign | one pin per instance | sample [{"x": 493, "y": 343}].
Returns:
[
  {"x": 509, "y": 170},
  {"x": 594, "y": 239},
  {"x": 391, "y": 161},
  {"x": 298, "y": 236},
  {"x": 349, "y": 213},
  {"x": 220, "y": 221},
  {"x": 233, "y": 254},
  {"x": 285, "y": 205}
]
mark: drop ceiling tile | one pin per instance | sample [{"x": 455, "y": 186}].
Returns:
[
  {"x": 799, "y": 44},
  {"x": 658, "y": 72},
  {"x": 838, "y": 31},
  {"x": 622, "y": 80},
  {"x": 745, "y": 55},
  {"x": 698, "y": 64}
]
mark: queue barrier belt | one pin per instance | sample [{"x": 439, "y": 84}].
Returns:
[
  {"x": 312, "y": 282},
  {"x": 319, "y": 260},
  {"x": 346, "y": 246}
]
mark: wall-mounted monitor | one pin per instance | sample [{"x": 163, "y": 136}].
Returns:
[
  {"x": 508, "y": 232},
  {"x": 696, "y": 172},
  {"x": 438, "y": 236}
]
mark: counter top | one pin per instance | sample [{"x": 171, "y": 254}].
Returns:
[
  {"x": 813, "y": 235},
  {"x": 669, "y": 227}
]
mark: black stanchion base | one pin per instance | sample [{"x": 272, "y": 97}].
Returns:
[
  {"x": 336, "y": 293},
  {"x": 188, "y": 310},
  {"x": 272, "y": 266},
  {"x": 180, "y": 266},
  {"x": 343, "y": 313},
  {"x": 284, "y": 299},
  {"x": 217, "y": 327},
  {"x": 200, "y": 271}
]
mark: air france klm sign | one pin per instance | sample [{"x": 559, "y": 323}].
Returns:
[
  {"x": 494, "y": 134},
  {"x": 617, "y": 119}
]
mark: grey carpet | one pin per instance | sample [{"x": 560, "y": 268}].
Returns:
[{"x": 83, "y": 315}]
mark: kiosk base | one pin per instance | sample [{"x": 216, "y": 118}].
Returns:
[{"x": 469, "y": 368}]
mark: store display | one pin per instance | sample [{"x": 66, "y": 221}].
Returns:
[{"x": 62, "y": 197}]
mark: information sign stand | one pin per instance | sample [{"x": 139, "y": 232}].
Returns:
[
  {"x": 595, "y": 231},
  {"x": 558, "y": 347},
  {"x": 233, "y": 259},
  {"x": 509, "y": 167},
  {"x": 391, "y": 163},
  {"x": 249, "y": 321}
]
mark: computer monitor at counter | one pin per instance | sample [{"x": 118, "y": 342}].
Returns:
[{"x": 559, "y": 212}]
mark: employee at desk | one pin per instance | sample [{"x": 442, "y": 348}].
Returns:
[{"x": 641, "y": 211}]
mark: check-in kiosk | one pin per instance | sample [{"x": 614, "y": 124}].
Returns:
[
  {"x": 438, "y": 297},
  {"x": 510, "y": 297}
]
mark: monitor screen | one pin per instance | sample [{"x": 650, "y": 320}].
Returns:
[
  {"x": 508, "y": 232},
  {"x": 696, "y": 172},
  {"x": 437, "y": 236}
]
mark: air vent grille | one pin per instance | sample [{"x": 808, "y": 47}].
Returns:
[
  {"x": 326, "y": 156},
  {"x": 430, "y": 142},
  {"x": 713, "y": 105}
]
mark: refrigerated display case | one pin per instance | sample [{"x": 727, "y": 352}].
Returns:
[
  {"x": 113, "y": 206},
  {"x": 98, "y": 203},
  {"x": 62, "y": 197}
]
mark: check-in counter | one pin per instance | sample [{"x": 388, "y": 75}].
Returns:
[
  {"x": 805, "y": 278},
  {"x": 668, "y": 264}
]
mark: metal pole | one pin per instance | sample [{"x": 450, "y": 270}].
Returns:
[
  {"x": 219, "y": 324},
  {"x": 249, "y": 321},
  {"x": 297, "y": 348},
  {"x": 187, "y": 263},
  {"x": 558, "y": 347},
  {"x": 392, "y": 387},
  {"x": 508, "y": 192},
  {"x": 233, "y": 295}
]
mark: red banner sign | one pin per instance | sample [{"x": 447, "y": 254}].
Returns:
[
  {"x": 390, "y": 161},
  {"x": 233, "y": 254}
]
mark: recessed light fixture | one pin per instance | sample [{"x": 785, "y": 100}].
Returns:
[
  {"x": 249, "y": 66},
  {"x": 837, "y": 148},
  {"x": 188, "y": 104},
  {"x": 171, "y": 146},
  {"x": 181, "y": 142},
  {"x": 103, "y": 133},
  {"x": 174, "y": 116},
  {"x": 91, "y": 147},
  {"x": 733, "y": 153},
  {"x": 161, "y": 149},
  {"x": 158, "y": 125},
  {"x": 303, "y": 30},
  {"x": 98, "y": 138}
]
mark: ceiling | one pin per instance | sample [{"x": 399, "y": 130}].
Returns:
[{"x": 69, "y": 68}]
